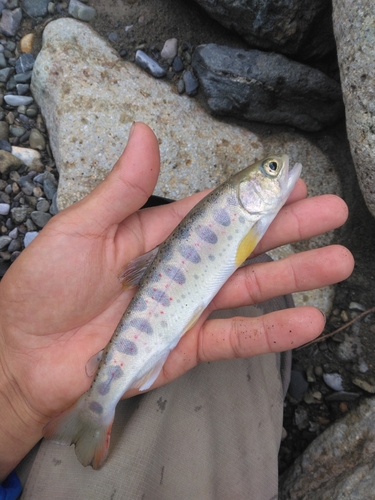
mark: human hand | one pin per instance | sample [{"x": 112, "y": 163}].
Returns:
[{"x": 61, "y": 300}]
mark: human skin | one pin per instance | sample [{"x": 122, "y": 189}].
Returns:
[{"x": 61, "y": 300}]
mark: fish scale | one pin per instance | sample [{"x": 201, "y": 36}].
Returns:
[{"x": 182, "y": 278}]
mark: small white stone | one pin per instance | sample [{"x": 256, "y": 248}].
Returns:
[
  {"x": 26, "y": 155},
  {"x": 4, "y": 208},
  {"x": 29, "y": 237},
  {"x": 334, "y": 381},
  {"x": 170, "y": 49}
]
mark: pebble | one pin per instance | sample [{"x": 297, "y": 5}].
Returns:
[
  {"x": 4, "y": 242},
  {"x": 365, "y": 385},
  {"x": 50, "y": 188},
  {"x": 148, "y": 64},
  {"x": 18, "y": 100},
  {"x": 191, "y": 83},
  {"x": 27, "y": 42},
  {"x": 298, "y": 385},
  {"x": 42, "y": 205},
  {"x": 29, "y": 237},
  {"x": 334, "y": 381},
  {"x": 169, "y": 50},
  {"x": 25, "y": 63},
  {"x": 357, "y": 306},
  {"x": 342, "y": 396},
  {"x": 35, "y": 8},
  {"x": 177, "y": 65},
  {"x": 81, "y": 11},
  {"x": 19, "y": 214},
  {"x": 4, "y": 208},
  {"x": 37, "y": 141},
  {"x": 13, "y": 233},
  {"x": 40, "y": 218},
  {"x": 10, "y": 21}
]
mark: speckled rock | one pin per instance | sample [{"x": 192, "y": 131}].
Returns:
[
  {"x": 339, "y": 464},
  {"x": 355, "y": 38}
]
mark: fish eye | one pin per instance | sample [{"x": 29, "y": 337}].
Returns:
[{"x": 271, "y": 167}]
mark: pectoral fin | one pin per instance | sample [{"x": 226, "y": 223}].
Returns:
[
  {"x": 133, "y": 272},
  {"x": 247, "y": 245}
]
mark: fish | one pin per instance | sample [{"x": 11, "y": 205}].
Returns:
[{"x": 176, "y": 282}]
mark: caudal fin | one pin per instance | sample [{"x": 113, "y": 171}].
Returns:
[{"x": 88, "y": 430}]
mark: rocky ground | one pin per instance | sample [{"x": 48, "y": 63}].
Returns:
[{"x": 330, "y": 377}]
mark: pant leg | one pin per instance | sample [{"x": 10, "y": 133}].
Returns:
[{"x": 212, "y": 434}]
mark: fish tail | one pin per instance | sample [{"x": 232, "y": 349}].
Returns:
[{"x": 89, "y": 431}]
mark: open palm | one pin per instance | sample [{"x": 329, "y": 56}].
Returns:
[{"x": 61, "y": 300}]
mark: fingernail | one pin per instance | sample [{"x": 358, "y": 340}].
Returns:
[
  {"x": 131, "y": 130},
  {"x": 324, "y": 315}
]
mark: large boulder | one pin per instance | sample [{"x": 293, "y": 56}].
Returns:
[
  {"x": 266, "y": 87},
  {"x": 354, "y": 24},
  {"x": 301, "y": 28},
  {"x": 339, "y": 464}
]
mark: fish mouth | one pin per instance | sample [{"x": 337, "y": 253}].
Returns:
[{"x": 292, "y": 177}]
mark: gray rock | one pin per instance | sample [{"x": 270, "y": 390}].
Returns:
[
  {"x": 42, "y": 205},
  {"x": 10, "y": 21},
  {"x": 4, "y": 131},
  {"x": 4, "y": 208},
  {"x": 4, "y": 242},
  {"x": 29, "y": 237},
  {"x": 40, "y": 218},
  {"x": 50, "y": 188},
  {"x": 266, "y": 87},
  {"x": 18, "y": 100},
  {"x": 20, "y": 214},
  {"x": 16, "y": 130},
  {"x": 14, "y": 246},
  {"x": 339, "y": 464},
  {"x": 169, "y": 50},
  {"x": 148, "y": 64},
  {"x": 81, "y": 11},
  {"x": 23, "y": 77},
  {"x": 191, "y": 83},
  {"x": 367, "y": 385},
  {"x": 355, "y": 38},
  {"x": 35, "y": 8},
  {"x": 5, "y": 74},
  {"x": 22, "y": 88},
  {"x": 3, "y": 62},
  {"x": 294, "y": 27},
  {"x": 298, "y": 385},
  {"x": 37, "y": 140},
  {"x": 8, "y": 162},
  {"x": 25, "y": 63}
]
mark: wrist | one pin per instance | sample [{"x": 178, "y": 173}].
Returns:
[{"x": 20, "y": 426}]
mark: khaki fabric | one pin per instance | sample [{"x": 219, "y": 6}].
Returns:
[{"x": 213, "y": 434}]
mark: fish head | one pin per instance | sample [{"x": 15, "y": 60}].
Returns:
[{"x": 264, "y": 187}]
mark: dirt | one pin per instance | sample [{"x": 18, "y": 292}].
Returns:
[{"x": 154, "y": 21}]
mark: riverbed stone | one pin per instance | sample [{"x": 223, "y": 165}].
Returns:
[
  {"x": 300, "y": 28},
  {"x": 354, "y": 26},
  {"x": 266, "y": 87},
  {"x": 338, "y": 464}
]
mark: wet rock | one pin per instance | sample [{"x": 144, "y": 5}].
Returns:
[
  {"x": 169, "y": 50},
  {"x": 8, "y": 162},
  {"x": 298, "y": 385},
  {"x": 355, "y": 38},
  {"x": 338, "y": 464},
  {"x": 294, "y": 27},
  {"x": 148, "y": 64},
  {"x": 10, "y": 21},
  {"x": 266, "y": 87},
  {"x": 81, "y": 11},
  {"x": 191, "y": 83}
]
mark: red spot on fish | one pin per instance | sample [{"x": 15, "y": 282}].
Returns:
[
  {"x": 161, "y": 312},
  {"x": 170, "y": 298}
]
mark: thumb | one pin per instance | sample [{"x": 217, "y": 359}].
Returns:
[{"x": 129, "y": 184}]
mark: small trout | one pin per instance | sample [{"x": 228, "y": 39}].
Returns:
[{"x": 182, "y": 277}]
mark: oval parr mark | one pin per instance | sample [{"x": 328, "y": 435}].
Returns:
[
  {"x": 189, "y": 253},
  {"x": 96, "y": 407},
  {"x": 206, "y": 234},
  {"x": 175, "y": 274},
  {"x": 113, "y": 373},
  {"x": 139, "y": 304},
  {"x": 126, "y": 346},
  {"x": 142, "y": 325},
  {"x": 222, "y": 217},
  {"x": 159, "y": 296}
]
